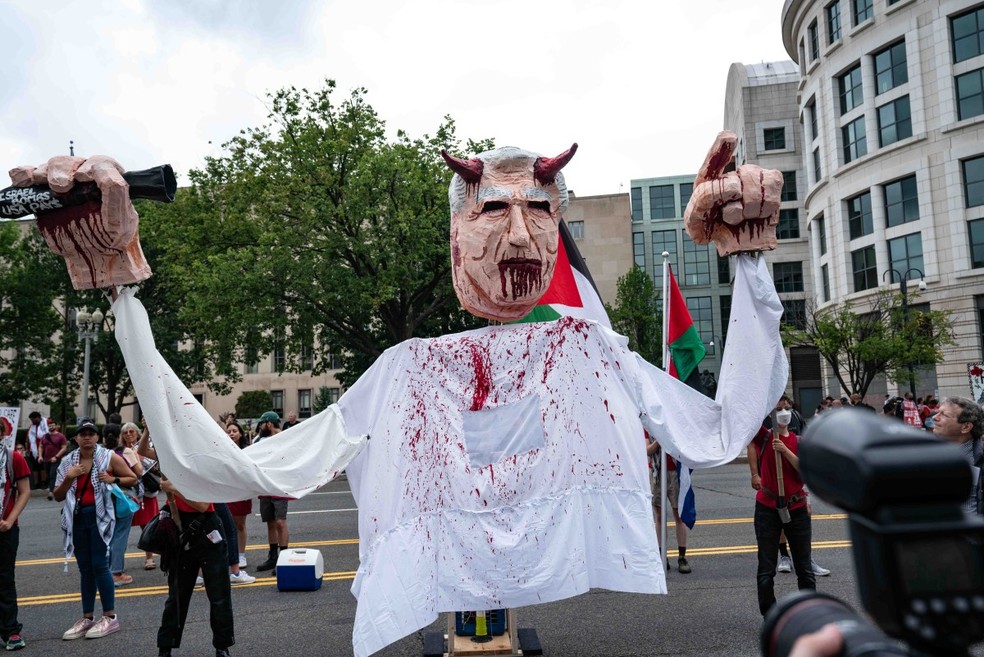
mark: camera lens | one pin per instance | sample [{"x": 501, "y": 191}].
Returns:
[{"x": 806, "y": 612}]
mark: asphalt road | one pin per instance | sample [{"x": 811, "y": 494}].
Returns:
[{"x": 711, "y": 612}]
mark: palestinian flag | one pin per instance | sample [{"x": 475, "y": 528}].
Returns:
[
  {"x": 686, "y": 351},
  {"x": 685, "y": 346},
  {"x": 571, "y": 291}
]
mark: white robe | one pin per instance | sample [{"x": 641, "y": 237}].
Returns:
[{"x": 506, "y": 465}]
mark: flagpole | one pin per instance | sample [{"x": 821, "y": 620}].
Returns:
[{"x": 666, "y": 367}]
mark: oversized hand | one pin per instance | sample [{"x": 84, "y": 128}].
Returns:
[
  {"x": 100, "y": 240},
  {"x": 737, "y": 210}
]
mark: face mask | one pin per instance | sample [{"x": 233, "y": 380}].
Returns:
[{"x": 783, "y": 418}]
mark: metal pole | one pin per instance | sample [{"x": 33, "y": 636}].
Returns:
[
  {"x": 904, "y": 289},
  {"x": 85, "y": 379},
  {"x": 660, "y": 454}
]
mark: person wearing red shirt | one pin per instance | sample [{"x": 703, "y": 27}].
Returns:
[
  {"x": 15, "y": 491},
  {"x": 205, "y": 549},
  {"x": 54, "y": 444},
  {"x": 765, "y": 448}
]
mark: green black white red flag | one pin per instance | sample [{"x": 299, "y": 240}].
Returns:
[{"x": 572, "y": 292}]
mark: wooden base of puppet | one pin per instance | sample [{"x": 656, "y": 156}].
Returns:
[{"x": 513, "y": 642}]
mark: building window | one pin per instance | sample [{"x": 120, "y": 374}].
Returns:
[
  {"x": 701, "y": 312},
  {"x": 789, "y": 224},
  {"x": 825, "y": 281},
  {"x": 725, "y": 303},
  {"x": 788, "y": 276},
  {"x": 906, "y": 253},
  {"x": 863, "y": 10},
  {"x": 637, "y": 204},
  {"x": 970, "y": 94},
  {"x": 333, "y": 362},
  {"x": 661, "y": 203},
  {"x": 774, "y": 139},
  {"x": 279, "y": 358},
  {"x": 304, "y": 403},
  {"x": 864, "y": 269},
  {"x": 814, "y": 35},
  {"x": 822, "y": 234},
  {"x": 278, "y": 402},
  {"x": 855, "y": 140},
  {"x": 696, "y": 263},
  {"x": 724, "y": 270},
  {"x": 890, "y": 68},
  {"x": 894, "y": 121},
  {"x": 307, "y": 358},
  {"x": 639, "y": 249},
  {"x": 252, "y": 368},
  {"x": 859, "y": 215},
  {"x": 833, "y": 22},
  {"x": 901, "y": 201},
  {"x": 577, "y": 229},
  {"x": 967, "y": 34},
  {"x": 851, "y": 91},
  {"x": 979, "y": 302},
  {"x": 333, "y": 395},
  {"x": 686, "y": 191},
  {"x": 973, "y": 181},
  {"x": 663, "y": 240},
  {"x": 794, "y": 313},
  {"x": 976, "y": 230},
  {"x": 788, "y": 186},
  {"x": 817, "y": 170},
  {"x": 811, "y": 110}
]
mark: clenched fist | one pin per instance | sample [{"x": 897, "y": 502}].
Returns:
[
  {"x": 737, "y": 210},
  {"x": 99, "y": 240}
]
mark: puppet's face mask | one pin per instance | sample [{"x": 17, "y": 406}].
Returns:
[{"x": 504, "y": 230}]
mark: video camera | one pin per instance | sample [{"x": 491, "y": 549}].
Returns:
[{"x": 918, "y": 558}]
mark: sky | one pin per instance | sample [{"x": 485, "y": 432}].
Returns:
[{"x": 638, "y": 84}]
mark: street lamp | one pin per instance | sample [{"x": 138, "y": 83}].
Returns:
[
  {"x": 904, "y": 289},
  {"x": 89, "y": 326},
  {"x": 715, "y": 339}
]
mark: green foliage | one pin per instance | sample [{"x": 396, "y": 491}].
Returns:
[
  {"x": 253, "y": 404},
  {"x": 322, "y": 400},
  {"x": 885, "y": 338},
  {"x": 638, "y": 314},
  {"x": 314, "y": 231},
  {"x": 31, "y": 354}
]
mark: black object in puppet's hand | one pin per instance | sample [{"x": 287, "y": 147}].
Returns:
[{"x": 154, "y": 184}]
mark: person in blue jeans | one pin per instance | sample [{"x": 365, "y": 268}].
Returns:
[{"x": 88, "y": 520}]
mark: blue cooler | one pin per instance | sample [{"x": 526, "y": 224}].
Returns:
[{"x": 299, "y": 569}]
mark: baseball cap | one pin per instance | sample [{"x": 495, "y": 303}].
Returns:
[
  {"x": 86, "y": 426},
  {"x": 269, "y": 416}
]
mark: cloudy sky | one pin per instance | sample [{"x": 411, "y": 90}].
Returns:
[{"x": 639, "y": 84}]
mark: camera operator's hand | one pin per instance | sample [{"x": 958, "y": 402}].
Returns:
[{"x": 825, "y": 642}]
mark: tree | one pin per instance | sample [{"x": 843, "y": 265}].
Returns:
[
  {"x": 638, "y": 314},
  {"x": 322, "y": 400},
  {"x": 883, "y": 339},
  {"x": 33, "y": 354},
  {"x": 315, "y": 231},
  {"x": 253, "y": 404}
]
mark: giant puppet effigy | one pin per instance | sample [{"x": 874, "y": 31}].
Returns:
[{"x": 506, "y": 465}]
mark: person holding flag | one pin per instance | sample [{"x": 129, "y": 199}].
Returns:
[{"x": 682, "y": 352}]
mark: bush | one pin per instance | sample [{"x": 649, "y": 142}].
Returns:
[{"x": 253, "y": 404}]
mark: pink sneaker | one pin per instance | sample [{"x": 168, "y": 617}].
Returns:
[
  {"x": 105, "y": 625},
  {"x": 78, "y": 630}
]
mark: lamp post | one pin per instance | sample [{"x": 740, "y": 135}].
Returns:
[
  {"x": 715, "y": 340},
  {"x": 904, "y": 290},
  {"x": 89, "y": 326}
]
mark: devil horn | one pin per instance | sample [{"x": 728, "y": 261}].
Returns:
[
  {"x": 545, "y": 169},
  {"x": 469, "y": 170}
]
